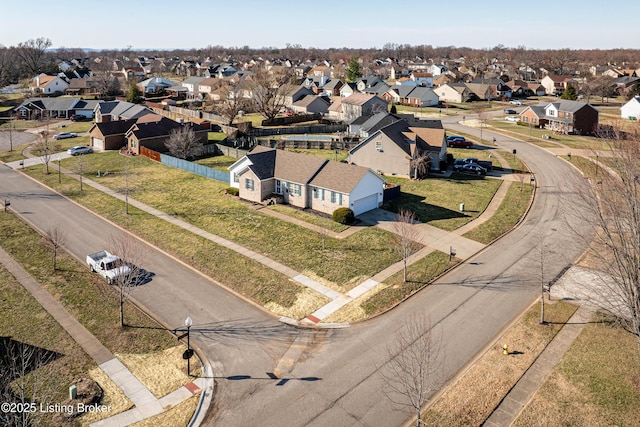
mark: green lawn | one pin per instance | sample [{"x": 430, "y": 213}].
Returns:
[
  {"x": 436, "y": 201},
  {"x": 216, "y": 136},
  {"x": 217, "y": 162},
  {"x": 511, "y": 210},
  {"x": 309, "y": 217}
]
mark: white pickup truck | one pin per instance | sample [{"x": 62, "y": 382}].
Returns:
[{"x": 107, "y": 265}]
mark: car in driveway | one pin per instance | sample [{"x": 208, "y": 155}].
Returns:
[
  {"x": 512, "y": 118},
  {"x": 458, "y": 141},
  {"x": 473, "y": 169},
  {"x": 64, "y": 135},
  {"x": 510, "y": 111},
  {"x": 78, "y": 118},
  {"x": 515, "y": 102},
  {"x": 79, "y": 150}
]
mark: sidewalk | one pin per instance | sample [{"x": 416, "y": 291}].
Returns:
[
  {"x": 146, "y": 404},
  {"x": 431, "y": 237},
  {"x": 520, "y": 395}
]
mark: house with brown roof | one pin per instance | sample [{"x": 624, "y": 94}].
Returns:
[
  {"x": 358, "y": 104},
  {"x": 48, "y": 85},
  {"x": 397, "y": 149},
  {"x": 306, "y": 181}
]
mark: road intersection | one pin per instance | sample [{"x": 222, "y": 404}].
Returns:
[{"x": 269, "y": 373}]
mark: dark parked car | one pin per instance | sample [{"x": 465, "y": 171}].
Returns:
[
  {"x": 78, "y": 118},
  {"x": 510, "y": 111},
  {"x": 472, "y": 168}
]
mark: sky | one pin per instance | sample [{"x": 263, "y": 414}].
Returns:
[{"x": 187, "y": 24}]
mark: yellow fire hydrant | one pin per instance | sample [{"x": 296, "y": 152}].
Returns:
[{"x": 505, "y": 350}]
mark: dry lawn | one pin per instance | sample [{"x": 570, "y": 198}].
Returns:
[
  {"x": 474, "y": 396},
  {"x": 307, "y": 301},
  {"x": 113, "y": 397},
  {"x": 595, "y": 384},
  {"x": 177, "y": 416},
  {"x": 161, "y": 372}
]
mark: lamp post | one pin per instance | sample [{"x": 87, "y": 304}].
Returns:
[
  {"x": 187, "y": 354},
  {"x": 59, "y": 178}
]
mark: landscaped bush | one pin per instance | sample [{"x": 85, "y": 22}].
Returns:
[
  {"x": 233, "y": 191},
  {"x": 344, "y": 216}
]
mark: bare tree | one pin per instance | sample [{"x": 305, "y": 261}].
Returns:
[
  {"x": 106, "y": 83},
  {"x": 420, "y": 165},
  {"x": 613, "y": 201},
  {"x": 26, "y": 380},
  {"x": 183, "y": 142},
  {"x": 269, "y": 90},
  {"x": 413, "y": 370},
  {"x": 33, "y": 54},
  {"x": 56, "y": 238},
  {"x": 45, "y": 148},
  {"x": 404, "y": 237},
  {"x": 132, "y": 255},
  {"x": 232, "y": 98}
]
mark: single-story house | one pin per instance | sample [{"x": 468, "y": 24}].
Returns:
[
  {"x": 119, "y": 110},
  {"x": 453, "y": 92},
  {"x": 397, "y": 148},
  {"x": 62, "y": 107},
  {"x": 631, "y": 110},
  {"x": 306, "y": 181}
]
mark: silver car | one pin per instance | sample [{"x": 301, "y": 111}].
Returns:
[
  {"x": 64, "y": 135},
  {"x": 80, "y": 149}
]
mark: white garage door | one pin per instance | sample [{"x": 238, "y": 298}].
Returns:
[
  {"x": 97, "y": 143},
  {"x": 365, "y": 204}
]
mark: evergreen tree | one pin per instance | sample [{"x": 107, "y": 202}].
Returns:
[
  {"x": 393, "y": 109},
  {"x": 570, "y": 93},
  {"x": 134, "y": 95},
  {"x": 353, "y": 72}
]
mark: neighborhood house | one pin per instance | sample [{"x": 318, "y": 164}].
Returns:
[{"x": 306, "y": 181}]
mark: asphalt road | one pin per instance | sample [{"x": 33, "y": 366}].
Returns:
[
  {"x": 333, "y": 377},
  {"x": 14, "y": 138}
]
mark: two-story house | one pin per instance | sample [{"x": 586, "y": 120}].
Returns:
[{"x": 562, "y": 116}]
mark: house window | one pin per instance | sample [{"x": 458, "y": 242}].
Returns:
[
  {"x": 552, "y": 113},
  {"x": 316, "y": 192},
  {"x": 278, "y": 186},
  {"x": 534, "y": 120},
  {"x": 333, "y": 197},
  {"x": 525, "y": 119},
  {"x": 339, "y": 199},
  {"x": 296, "y": 189},
  {"x": 236, "y": 178},
  {"x": 248, "y": 184},
  {"x": 322, "y": 194}
]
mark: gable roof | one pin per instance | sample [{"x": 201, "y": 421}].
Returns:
[
  {"x": 52, "y": 104},
  {"x": 567, "y": 105},
  {"x": 341, "y": 177},
  {"x": 402, "y": 135},
  {"x": 116, "y": 127},
  {"x": 358, "y": 99}
]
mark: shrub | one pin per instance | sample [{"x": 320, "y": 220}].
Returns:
[
  {"x": 232, "y": 191},
  {"x": 344, "y": 216}
]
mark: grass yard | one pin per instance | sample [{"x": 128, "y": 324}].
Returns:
[
  {"x": 325, "y": 154},
  {"x": 511, "y": 210},
  {"x": 436, "y": 201},
  {"x": 216, "y": 136},
  {"x": 309, "y": 217},
  {"x": 7, "y": 156},
  {"x": 200, "y": 201},
  {"x": 233, "y": 270},
  {"x": 472, "y": 397},
  {"x": 25, "y": 321},
  {"x": 217, "y": 162},
  {"x": 93, "y": 304},
  {"x": 596, "y": 383}
]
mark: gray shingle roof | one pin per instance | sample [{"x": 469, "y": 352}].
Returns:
[{"x": 340, "y": 177}]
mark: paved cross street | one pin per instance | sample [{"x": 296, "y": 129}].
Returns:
[{"x": 272, "y": 374}]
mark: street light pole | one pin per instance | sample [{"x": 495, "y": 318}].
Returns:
[
  {"x": 188, "y": 322},
  {"x": 59, "y": 178}
]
